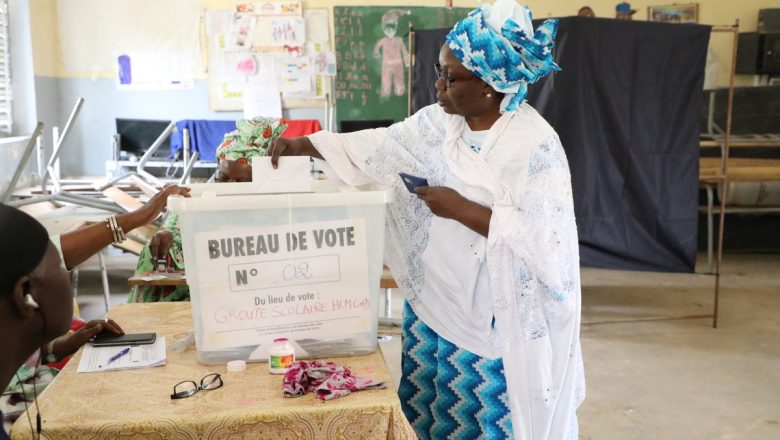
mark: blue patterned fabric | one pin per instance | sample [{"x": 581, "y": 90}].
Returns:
[
  {"x": 447, "y": 392},
  {"x": 508, "y": 61}
]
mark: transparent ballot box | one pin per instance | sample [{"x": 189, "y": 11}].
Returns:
[{"x": 303, "y": 266}]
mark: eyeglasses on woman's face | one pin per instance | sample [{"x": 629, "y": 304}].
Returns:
[
  {"x": 188, "y": 388},
  {"x": 449, "y": 79}
]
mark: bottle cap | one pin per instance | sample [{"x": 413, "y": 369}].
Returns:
[{"x": 236, "y": 366}]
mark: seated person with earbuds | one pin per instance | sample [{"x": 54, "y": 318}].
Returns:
[
  {"x": 35, "y": 299},
  {"x": 73, "y": 248}
]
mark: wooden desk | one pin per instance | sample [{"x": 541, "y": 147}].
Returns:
[
  {"x": 387, "y": 281},
  {"x": 250, "y": 405},
  {"x": 146, "y": 281},
  {"x": 740, "y": 170}
]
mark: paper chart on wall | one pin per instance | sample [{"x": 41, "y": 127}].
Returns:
[
  {"x": 325, "y": 63},
  {"x": 280, "y": 34},
  {"x": 234, "y": 68},
  {"x": 241, "y": 32},
  {"x": 241, "y": 66},
  {"x": 295, "y": 75},
  {"x": 231, "y": 70},
  {"x": 275, "y": 9}
]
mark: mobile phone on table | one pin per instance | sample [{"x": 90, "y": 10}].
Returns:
[
  {"x": 412, "y": 182},
  {"x": 107, "y": 339}
]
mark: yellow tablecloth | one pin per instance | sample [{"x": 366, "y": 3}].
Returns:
[{"x": 137, "y": 404}]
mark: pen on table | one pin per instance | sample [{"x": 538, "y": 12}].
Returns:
[{"x": 115, "y": 357}]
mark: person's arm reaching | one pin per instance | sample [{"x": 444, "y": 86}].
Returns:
[{"x": 79, "y": 245}]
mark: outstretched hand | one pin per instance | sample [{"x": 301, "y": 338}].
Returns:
[{"x": 152, "y": 209}]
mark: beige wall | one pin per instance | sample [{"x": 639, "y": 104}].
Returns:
[
  {"x": 711, "y": 12},
  {"x": 45, "y": 36}
]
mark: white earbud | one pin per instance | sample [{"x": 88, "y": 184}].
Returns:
[
  {"x": 489, "y": 95},
  {"x": 28, "y": 299}
]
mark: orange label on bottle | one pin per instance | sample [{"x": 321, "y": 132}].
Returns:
[{"x": 279, "y": 362}]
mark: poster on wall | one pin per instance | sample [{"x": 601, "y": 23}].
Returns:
[
  {"x": 272, "y": 9},
  {"x": 149, "y": 70},
  {"x": 282, "y": 34},
  {"x": 292, "y": 40},
  {"x": 295, "y": 76},
  {"x": 306, "y": 281},
  {"x": 676, "y": 13},
  {"x": 241, "y": 32}
]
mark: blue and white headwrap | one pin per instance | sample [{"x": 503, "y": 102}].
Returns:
[{"x": 499, "y": 45}]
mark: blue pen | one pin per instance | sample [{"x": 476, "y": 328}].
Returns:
[{"x": 116, "y": 356}]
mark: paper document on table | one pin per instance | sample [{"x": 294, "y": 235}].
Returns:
[{"x": 95, "y": 359}]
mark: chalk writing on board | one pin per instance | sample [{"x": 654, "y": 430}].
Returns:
[{"x": 352, "y": 62}]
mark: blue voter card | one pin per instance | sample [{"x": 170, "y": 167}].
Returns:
[{"x": 412, "y": 182}]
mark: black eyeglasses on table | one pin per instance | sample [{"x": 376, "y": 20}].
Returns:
[{"x": 188, "y": 387}]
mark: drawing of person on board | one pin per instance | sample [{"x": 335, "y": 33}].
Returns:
[{"x": 395, "y": 56}]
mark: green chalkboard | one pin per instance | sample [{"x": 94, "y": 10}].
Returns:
[{"x": 372, "y": 54}]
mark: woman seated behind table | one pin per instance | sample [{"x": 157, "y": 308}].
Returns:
[
  {"x": 35, "y": 299},
  {"x": 73, "y": 248},
  {"x": 251, "y": 138}
]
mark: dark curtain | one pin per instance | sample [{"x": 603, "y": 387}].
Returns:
[
  {"x": 427, "y": 44},
  {"x": 626, "y": 106}
]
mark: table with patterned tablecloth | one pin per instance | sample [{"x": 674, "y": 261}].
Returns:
[{"x": 250, "y": 405}]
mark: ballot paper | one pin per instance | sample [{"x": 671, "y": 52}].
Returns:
[
  {"x": 94, "y": 359},
  {"x": 292, "y": 176}
]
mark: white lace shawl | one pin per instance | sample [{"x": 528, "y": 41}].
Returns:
[{"x": 532, "y": 251}]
